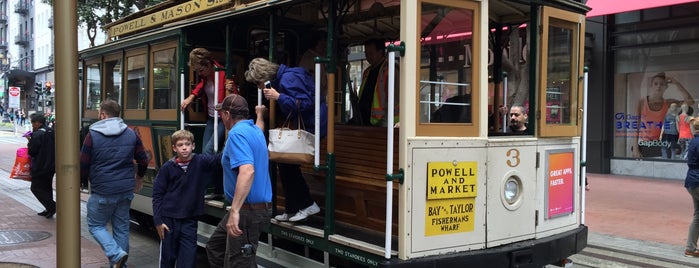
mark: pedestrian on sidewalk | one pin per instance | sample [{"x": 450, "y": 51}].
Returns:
[
  {"x": 178, "y": 200},
  {"x": 106, "y": 159},
  {"x": 691, "y": 182},
  {"x": 41, "y": 148}
]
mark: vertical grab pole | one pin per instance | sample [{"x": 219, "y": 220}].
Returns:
[
  {"x": 583, "y": 144},
  {"x": 182, "y": 90},
  {"x": 216, "y": 88},
  {"x": 389, "y": 150},
  {"x": 316, "y": 142},
  {"x": 504, "y": 102},
  {"x": 259, "y": 96}
]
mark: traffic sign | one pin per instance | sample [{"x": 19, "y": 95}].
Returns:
[
  {"x": 14, "y": 91},
  {"x": 14, "y": 97}
]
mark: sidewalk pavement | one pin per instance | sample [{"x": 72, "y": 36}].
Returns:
[
  {"x": 19, "y": 208},
  {"x": 638, "y": 215},
  {"x": 647, "y": 216},
  {"x": 9, "y": 128}
]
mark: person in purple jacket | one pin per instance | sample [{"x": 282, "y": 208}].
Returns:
[
  {"x": 106, "y": 160},
  {"x": 293, "y": 89},
  {"x": 178, "y": 200}
]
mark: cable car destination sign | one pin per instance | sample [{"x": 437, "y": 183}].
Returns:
[
  {"x": 159, "y": 17},
  {"x": 451, "y": 197}
]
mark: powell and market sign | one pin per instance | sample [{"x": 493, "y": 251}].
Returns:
[{"x": 166, "y": 15}]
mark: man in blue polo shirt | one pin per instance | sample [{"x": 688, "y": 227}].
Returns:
[{"x": 247, "y": 185}]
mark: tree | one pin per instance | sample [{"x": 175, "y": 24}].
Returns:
[{"x": 94, "y": 14}]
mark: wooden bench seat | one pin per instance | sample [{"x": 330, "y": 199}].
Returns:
[{"x": 360, "y": 184}]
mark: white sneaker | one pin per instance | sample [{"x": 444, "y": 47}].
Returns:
[
  {"x": 304, "y": 213},
  {"x": 282, "y": 217}
]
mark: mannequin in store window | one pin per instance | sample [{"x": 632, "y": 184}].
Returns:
[{"x": 652, "y": 108}]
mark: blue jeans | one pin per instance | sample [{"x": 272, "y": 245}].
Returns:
[
  {"x": 114, "y": 209},
  {"x": 209, "y": 135}
]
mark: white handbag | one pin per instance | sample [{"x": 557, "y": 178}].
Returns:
[{"x": 291, "y": 146}]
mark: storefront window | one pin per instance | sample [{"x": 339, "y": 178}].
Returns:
[{"x": 656, "y": 89}]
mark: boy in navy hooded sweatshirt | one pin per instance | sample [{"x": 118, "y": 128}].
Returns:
[{"x": 178, "y": 200}]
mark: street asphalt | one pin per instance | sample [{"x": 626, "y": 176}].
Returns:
[{"x": 633, "y": 215}]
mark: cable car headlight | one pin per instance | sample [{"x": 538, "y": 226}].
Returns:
[{"x": 512, "y": 192}]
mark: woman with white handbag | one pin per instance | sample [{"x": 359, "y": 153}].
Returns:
[{"x": 293, "y": 89}]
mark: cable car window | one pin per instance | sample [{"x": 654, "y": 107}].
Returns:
[
  {"x": 112, "y": 83},
  {"x": 94, "y": 87},
  {"x": 445, "y": 67},
  {"x": 164, "y": 79},
  {"x": 558, "y": 85},
  {"x": 136, "y": 82}
]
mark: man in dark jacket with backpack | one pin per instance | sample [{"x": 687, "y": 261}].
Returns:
[{"x": 42, "y": 150}]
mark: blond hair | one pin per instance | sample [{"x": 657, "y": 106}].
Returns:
[
  {"x": 261, "y": 70},
  {"x": 182, "y": 134},
  {"x": 199, "y": 57}
]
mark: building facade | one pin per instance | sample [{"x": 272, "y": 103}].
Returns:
[
  {"x": 27, "y": 55},
  {"x": 643, "y": 81}
]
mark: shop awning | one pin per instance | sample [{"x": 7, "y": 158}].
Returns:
[
  {"x": 606, "y": 7},
  {"x": 18, "y": 77}
]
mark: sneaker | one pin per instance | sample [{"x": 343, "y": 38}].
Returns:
[
  {"x": 304, "y": 213},
  {"x": 282, "y": 217},
  {"x": 122, "y": 261},
  {"x": 691, "y": 254},
  {"x": 213, "y": 196}
]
